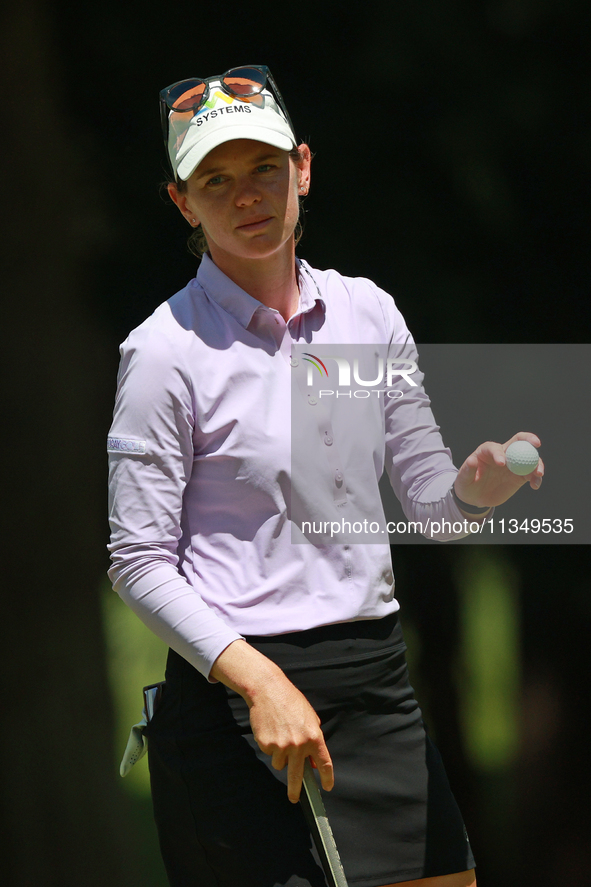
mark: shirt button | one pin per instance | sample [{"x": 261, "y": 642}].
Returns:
[
  {"x": 327, "y": 439},
  {"x": 312, "y": 400},
  {"x": 294, "y": 362},
  {"x": 338, "y": 476}
]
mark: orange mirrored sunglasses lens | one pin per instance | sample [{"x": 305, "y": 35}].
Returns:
[
  {"x": 189, "y": 98},
  {"x": 242, "y": 85},
  {"x": 244, "y": 81}
]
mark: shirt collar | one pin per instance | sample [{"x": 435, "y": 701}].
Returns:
[
  {"x": 225, "y": 292},
  {"x": 309, "y": 290},
  {"x": 239, "y": 303}
]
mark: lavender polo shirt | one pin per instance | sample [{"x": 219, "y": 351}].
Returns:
[{"x": 199, "y": 467}]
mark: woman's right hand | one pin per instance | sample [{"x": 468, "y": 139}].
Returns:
[{"x": 284, "y": 724}]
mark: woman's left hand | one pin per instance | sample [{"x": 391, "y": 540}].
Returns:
[{"x": 484, "y": 479}]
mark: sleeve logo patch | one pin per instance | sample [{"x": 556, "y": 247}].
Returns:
[{"x": 125, "y": 445}]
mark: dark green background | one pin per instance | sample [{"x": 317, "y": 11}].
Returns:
[{"x": 452, "y": 150}]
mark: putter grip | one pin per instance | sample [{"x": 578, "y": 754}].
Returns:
[{"x": 325, "y": 842}]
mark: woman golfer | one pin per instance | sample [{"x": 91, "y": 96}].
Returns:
[{"x": 282, "y": 648}]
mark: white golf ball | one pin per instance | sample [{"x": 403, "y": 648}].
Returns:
[{"x": 522, "y": 457}]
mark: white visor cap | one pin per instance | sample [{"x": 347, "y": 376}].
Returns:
[{"x": 259, "y": 118}]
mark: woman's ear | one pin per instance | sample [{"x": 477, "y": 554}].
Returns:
[
  {"x": 303, "y": 166},
  {"x": 181, "y": 201}
]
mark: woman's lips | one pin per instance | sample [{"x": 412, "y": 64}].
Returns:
[{"x": 256, "y": 225}]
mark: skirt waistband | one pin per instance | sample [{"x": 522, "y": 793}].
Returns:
[{"x": 341, "y": 641}]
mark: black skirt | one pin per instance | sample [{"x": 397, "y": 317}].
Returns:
[{"x": 222, "y": 812}]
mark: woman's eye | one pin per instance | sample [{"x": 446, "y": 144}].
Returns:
[
  {"x": 216, "y": 180},
  {"x": 265, "y": 167}
]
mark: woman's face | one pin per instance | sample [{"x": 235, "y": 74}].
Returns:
[{"x": 245, "y": 195}]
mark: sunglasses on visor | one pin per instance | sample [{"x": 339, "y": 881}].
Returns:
[{"x": 188, "y": 96}]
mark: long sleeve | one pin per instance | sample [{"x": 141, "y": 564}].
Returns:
[
  {"x": 150, "y": 463},
  {"x": 419, "y": 465}
]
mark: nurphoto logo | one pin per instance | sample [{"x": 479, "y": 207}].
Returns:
[{"x": 386, "y": 371}]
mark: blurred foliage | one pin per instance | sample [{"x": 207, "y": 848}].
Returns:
[
  {"x": 135, "y": 658},
  {"x": 485, "y": 667},
  {"x": 489, "y": 669}
]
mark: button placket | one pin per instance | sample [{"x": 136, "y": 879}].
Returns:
[{"x": 326, "y": 433}]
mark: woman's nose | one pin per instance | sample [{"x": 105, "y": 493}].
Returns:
[{"x": 247, "y": 192}]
